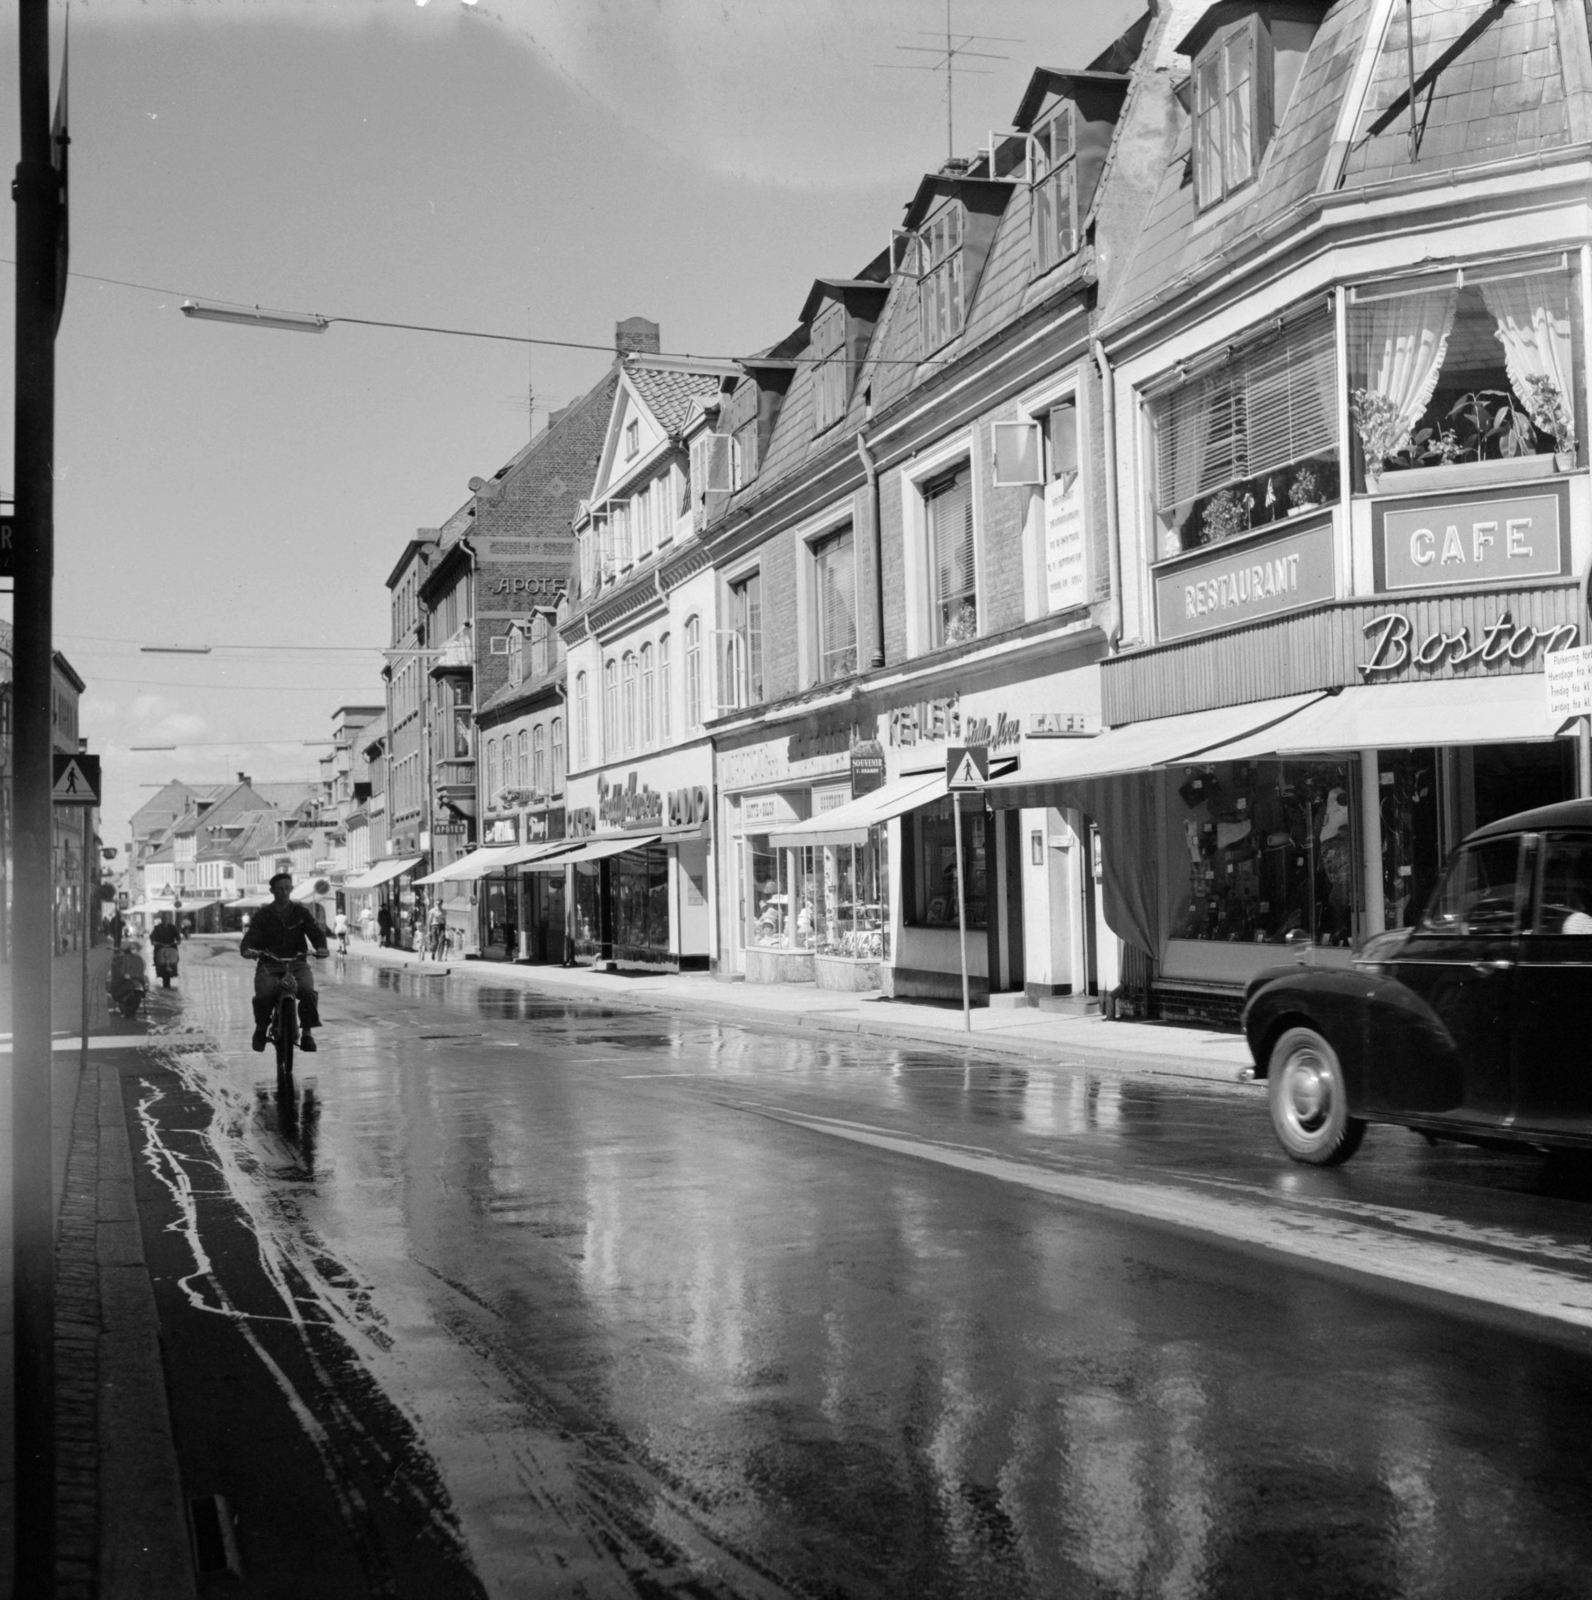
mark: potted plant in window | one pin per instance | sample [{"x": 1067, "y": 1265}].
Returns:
[
  {"x": 963, "y": 626},
  {"x": 1382, "y": 429},
  {"x": 1304, "y": 493},
  {"x": 1226, "y": 514},
  {"x": 1551, "y": 412}
]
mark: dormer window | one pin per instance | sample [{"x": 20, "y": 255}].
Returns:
[
  {"x": 1054, "y": 175},
  {"x": 829, "y": 366},
  {"x": 940, "y": 277},
  {"x": 1229, "y": 131}
]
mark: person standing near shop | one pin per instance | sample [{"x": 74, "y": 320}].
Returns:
[
  {"x": 437, "y": 931},
  {"x": 384, "y": 924}
]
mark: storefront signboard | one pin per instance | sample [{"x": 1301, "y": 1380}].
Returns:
[
  {"x": 1262, "y": 575},
  {"x": 501, "y": 830},
  {"x": 688, "y": 808},
  {"x": 1063, "y": 724},
  {"x": 1568, "y": 676},
  {"x": 633, "y": 805},
  {"x": 1393, "y": 644},
  {"x": 867, "y": 766},
  {"x": 763, "y": 810},
  {"x": 1066, "y": 564},
  {"x": 832, "y": 799},
  {"x": 1468, "y": 539},
  {"x": 818, "y": 753},
  {"x": 580, "y": 822}
]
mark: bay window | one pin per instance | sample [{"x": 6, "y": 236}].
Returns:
[
  {"x": 1247, "y": 436},
  {"x": 1472, "y": 364}
]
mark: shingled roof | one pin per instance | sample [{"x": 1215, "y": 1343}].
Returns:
[{"x": 667, "y": 391}]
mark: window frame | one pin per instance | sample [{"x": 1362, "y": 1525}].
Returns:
[
  {"x": 556, "y": 759},
  {"x": 828, "y": 344},
  {"x": 747, "y": 684},
  {"x": 1044, "y": 182},
  {"x": 1215, "y": 54},
  {"x": 693, "y": 671},
  {"x": 648, "y": 687},
  {"x": 611, "y": 723},
  {"x": 819, "y": 547},
  {"x": 665, "y": 706},
  {"x": 942, "y": 288},
  {"x": 933, "y": 492},
  {"x": 630, "y": 694},
  {"x": 582, "y": 720},
  {"x": 536, "y": 781}
]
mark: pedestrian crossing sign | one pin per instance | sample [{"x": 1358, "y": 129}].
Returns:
[
  {"x": 77, "y": 781},
  {"x": 966, "y": 767}
]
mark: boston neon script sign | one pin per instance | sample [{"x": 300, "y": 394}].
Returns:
[{"x": 1394, "y": 647}]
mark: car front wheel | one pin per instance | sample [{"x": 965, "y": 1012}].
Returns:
[{"x": 1309, "y": 1105}]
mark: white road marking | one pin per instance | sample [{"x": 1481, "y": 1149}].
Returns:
[{"x": 1448, "y": 1257}]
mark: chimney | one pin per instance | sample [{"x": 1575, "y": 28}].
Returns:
[
  {"x": 636, "y": 336},
  {"x": 244, "y": 778}
]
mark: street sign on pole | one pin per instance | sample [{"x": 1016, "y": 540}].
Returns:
[
  {"x": 966, "y": 772},
  {"x": 966, "y": 768}
]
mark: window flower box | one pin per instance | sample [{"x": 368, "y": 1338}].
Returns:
[{"x": 1460, "y": 475}]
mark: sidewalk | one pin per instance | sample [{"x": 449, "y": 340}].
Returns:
[
  {"x": 1049, "y": 1036},
  {"x": 121, "y": 1527}
]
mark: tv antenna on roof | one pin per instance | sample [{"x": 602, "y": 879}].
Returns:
[{"x": 949, "y": 61}]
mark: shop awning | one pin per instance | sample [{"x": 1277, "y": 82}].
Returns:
[
  {"x": 849, "y": 824},
  {"x": 383, "y": 872},
  {"x": 1137, "y": 747},
  {"x": 593, "y": 850},
  {"x": 539, "y": 851},
  {"x": 252, "y": 902},
  {"x": 473, "y": 866},
  {"x": 316, "y": 888},
  {"x": 1396, "y": 716}
]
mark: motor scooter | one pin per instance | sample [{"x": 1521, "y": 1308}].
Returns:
[{"x": 127, "y": 981}]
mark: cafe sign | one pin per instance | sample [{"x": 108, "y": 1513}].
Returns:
[
  {"x": 1393, "y": 644},
  {"x": 1245, "y": 580},
  {"x": 1463, "y": 539}
]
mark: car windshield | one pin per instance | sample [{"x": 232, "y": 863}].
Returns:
[{"x": 1478, "y": 895}]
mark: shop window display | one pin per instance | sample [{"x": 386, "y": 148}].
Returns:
[
  {"x": 930, "y": 843},
  {"x": 641, "y": 895},
  {"x": 586, "y": 916},
  {"x": 1270, "y": 852},
  {"x": 852, "y": 901},
  {"x": 1411, "y": 857}
]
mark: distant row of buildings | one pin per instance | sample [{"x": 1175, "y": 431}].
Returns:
[{"x": 1208, "y": 450}]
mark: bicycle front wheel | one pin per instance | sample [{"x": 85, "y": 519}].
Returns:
[{"x": 286, "y": 1034}]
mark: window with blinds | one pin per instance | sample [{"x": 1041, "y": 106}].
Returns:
[
  {"x": 835, "y": 605},
  {"x": 952, "y": 567},
  {"x": 1243, "y": 443}
]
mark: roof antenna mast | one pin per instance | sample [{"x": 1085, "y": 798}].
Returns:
[{"x": 949, "y": 61}]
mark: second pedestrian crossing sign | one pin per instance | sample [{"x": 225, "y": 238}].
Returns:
[
  {"x": 77, "y": 781},
  {"x": 966, "y": 768}
]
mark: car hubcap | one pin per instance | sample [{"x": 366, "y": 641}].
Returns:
[{"x": 1309, "y": 1092}]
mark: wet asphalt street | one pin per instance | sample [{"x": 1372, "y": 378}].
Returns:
[{"x": 516, "y": 1297}]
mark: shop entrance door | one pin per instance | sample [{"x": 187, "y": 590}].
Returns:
[{"x": 1007, "y": 966}]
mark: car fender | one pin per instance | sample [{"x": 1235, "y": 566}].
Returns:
[{"x": 1394, "y": 1049}]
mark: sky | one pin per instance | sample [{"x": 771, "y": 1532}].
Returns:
[{"x": 529, "y": 167}]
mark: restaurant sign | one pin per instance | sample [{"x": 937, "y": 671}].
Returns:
[
  {"x": 1460, "y": 539},
  {"x": 1261, "y": 576}
]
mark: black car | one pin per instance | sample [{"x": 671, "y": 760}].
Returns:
[{"x": 1475, "y": 1025}]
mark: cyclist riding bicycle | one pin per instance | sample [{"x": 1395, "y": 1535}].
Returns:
[
  {"x": 282, "y": 930},
  {"x": 340, "y": 931}
]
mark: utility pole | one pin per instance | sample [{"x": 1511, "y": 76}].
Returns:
[{"x": 40, "y": 275}]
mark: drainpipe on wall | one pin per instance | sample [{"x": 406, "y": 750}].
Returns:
[
  {"x": 1108, "y": 420},
  {"x": 870, "y": 468}
]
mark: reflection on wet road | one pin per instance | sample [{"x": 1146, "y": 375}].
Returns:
[{"x": 683, "y": 1309}]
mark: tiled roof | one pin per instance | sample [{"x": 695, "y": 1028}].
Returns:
[
  {"x": 1489, "y": 85},
  {"x": 668, "y": 393}
]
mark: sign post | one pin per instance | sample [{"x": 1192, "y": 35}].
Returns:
[
  {"x": 76, "y": 782},
  {"x": 966, "y": 771}
]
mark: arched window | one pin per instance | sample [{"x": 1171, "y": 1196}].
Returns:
[
  {"x": 665, "y": 691},
  {"x": 693, "y": 672},
  {"x": 610, "y": 709},
  {"x": 631, "y": 728},
  {"x": 557, "y": 783},
  {"x": 538, "y": 759},
  {"x": 582, "y": 722},
  {"x": 492, "y": 784},
  {"x": 649, "y": 724},
  {"x": 521, "y": 777}
]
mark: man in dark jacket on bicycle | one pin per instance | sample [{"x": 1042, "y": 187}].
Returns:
[{"x": 282, "y": 929}]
